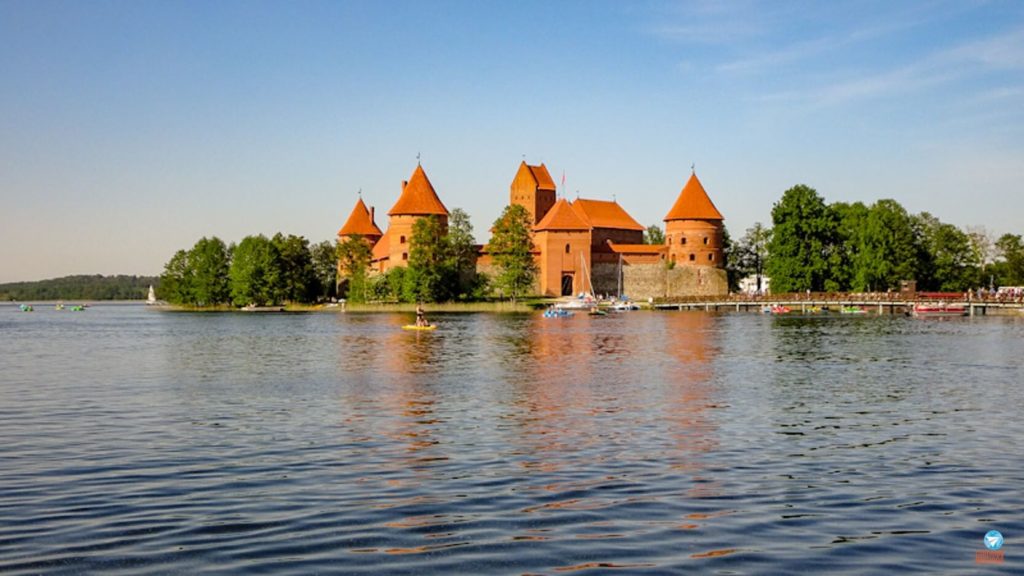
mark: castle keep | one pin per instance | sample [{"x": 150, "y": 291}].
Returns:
[{"x": 577, "y": 245}]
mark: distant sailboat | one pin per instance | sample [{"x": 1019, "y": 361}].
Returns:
[{"x": 151, "y": 299}]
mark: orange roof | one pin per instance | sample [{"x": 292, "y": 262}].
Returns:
[
  {"x": 418, "y": 197},
  {"x": 382, "y": 249},
  {"x": 604, "y": 214},
  {"x": 359, "y": 222},
  {"x": 561, "y": 216},
  {"x": 693, "y": 203},
  {"x": 542, "y": 177},
  {"x": 638, "y": 248}
]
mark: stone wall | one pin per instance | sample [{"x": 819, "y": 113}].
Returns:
[
  {"x": 605, "y": 277},
  {"x": 643, "y": 281}
]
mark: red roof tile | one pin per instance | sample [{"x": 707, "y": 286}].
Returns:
[
  {"x": 542, "y": 177},
  {"x": 360, "y": 222},
  {"x": 561, "y": 216},
  {"x": 382, "y": 249},
  {"x": 604, "y": 214},
  {"x": 693, "y": 203},
  {"x": 418, "y": 197}
]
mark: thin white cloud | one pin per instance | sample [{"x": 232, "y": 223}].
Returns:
[{"x": 1001, "y": 52}]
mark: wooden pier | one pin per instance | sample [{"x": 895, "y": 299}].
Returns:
[{"x": 880, "y": 304}]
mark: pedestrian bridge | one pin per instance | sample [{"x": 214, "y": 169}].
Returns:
[{"x": 881, "y": 302}]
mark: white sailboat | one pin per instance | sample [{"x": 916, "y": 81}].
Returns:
[
  {"x": 585, "y": 300},
  {"x": 151, "y": 299}
]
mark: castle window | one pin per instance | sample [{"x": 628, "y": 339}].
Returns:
[
  {"x": 693, "y": 257},
  {"x": 405, "y": 255},
  {"x": 669, "y": 240},
  {"x": 682, "y": 240},
  {"x": 705, "y": 240},
  {"x": 711, "y": 257},
  {"x": 566, "y": 248},
  {"x": 401, "y": 239}
]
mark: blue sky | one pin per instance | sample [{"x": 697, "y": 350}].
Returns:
[{"x": 130, "y": 129}]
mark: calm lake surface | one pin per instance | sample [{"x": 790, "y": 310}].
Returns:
[{"x": 137, "y": 441}]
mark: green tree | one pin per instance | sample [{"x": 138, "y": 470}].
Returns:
[
  {"x": 850, "y": 221},
  {"x": 354, "y": 261},
  {"x": 802, "y": 243},
  {"x": 297, "y": 280},
  {"x": 1010, "y": 248},
  {"x": 209, "y": 262},
  {"x": 177, "y": 279},
  {"x": 431, "y": 275},
  {"x": 462, "y": 253},
  {"x": 750, "y": 253},
  {"x": 512, "y": 249},
  {"x": 654, "y": 235},
  {"x": 325, "y": 267},
  {"x": 882, "y": 243},
  {"x": 949, "y": 262},
  {"x": 256, "y": 272}
]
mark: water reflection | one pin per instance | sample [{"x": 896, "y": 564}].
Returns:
[{"x": 666, "y": 442}]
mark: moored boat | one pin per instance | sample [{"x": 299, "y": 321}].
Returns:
[
  {"x": 938, "y": 310},
  {"x": 855, "y": 310}
]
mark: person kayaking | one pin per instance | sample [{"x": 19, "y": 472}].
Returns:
[{"x": 421, "y": 317}]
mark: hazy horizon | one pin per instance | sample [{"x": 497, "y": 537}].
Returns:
[{"x": 128, "y": 130}]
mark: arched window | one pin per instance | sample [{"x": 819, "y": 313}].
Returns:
[
  {"x": 705, "y": 240},
  {"x": 566, "y": 248},
  {"x": 682, "y": 240},
  {"x": 693, "y": 257},
  {"x": 405, "y": 255},
  {"x": 669, "y": 240},
  {"x": 401, "y": 239},
  {"x": 711, "y": 257}
]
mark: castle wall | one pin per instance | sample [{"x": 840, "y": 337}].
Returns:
[{"x": 643, "y": 281}]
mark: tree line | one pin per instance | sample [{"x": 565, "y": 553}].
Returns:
[
  {"x": 81, "y": 287},
  {"x": 853, "y": 247},
  {"x": 257, "y": 271},
  {"x": 442, "y": 265}
]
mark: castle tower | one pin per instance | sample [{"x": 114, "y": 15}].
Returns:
[
  {"x": 418, "y": 199},
  {"x": 533, "y": 189},
  {"x": 694, "y": 228},
  {"x": 563, "y": 239},
  {"x": 360, "y": 224}
]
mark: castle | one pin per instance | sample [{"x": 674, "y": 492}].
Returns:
[{"x": 578, "y": 246}]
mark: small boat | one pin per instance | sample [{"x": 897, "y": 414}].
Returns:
[
  {"x": 77, "y": 308},
  {"x": 623, "y": 307},
  {"x": 775, "y": 309},
  {"x": 426, "y": 328},
  {"x": 597, "y": 312},
  {"x": 938, "y": 310},
  {"x": 857, "y": 310},
  {"x": 151, "y": 298},
  {"x": 26, "y": 308},
  {"x": 557, "y": 313},
  {"x": 59, "y": 306}
]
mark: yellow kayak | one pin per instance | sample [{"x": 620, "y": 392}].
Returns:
[{"x": 415, "y": 327}]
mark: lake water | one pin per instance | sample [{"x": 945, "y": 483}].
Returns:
[{"x": 136, "y": 441}]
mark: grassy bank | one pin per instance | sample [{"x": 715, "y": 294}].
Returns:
[
  {"x": 499, "y": 307},
  {"x": 502, "y": 307}
]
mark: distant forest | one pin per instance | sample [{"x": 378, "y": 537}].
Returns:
[{"x": 95, "y": 287}]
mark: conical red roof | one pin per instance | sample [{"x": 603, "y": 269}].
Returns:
[
  {"x": 360, "y": 222},
  {"x": 418, "y": 197},
  {"x": 561, "y": 216},
  {"x": 693, "y": 203}
]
